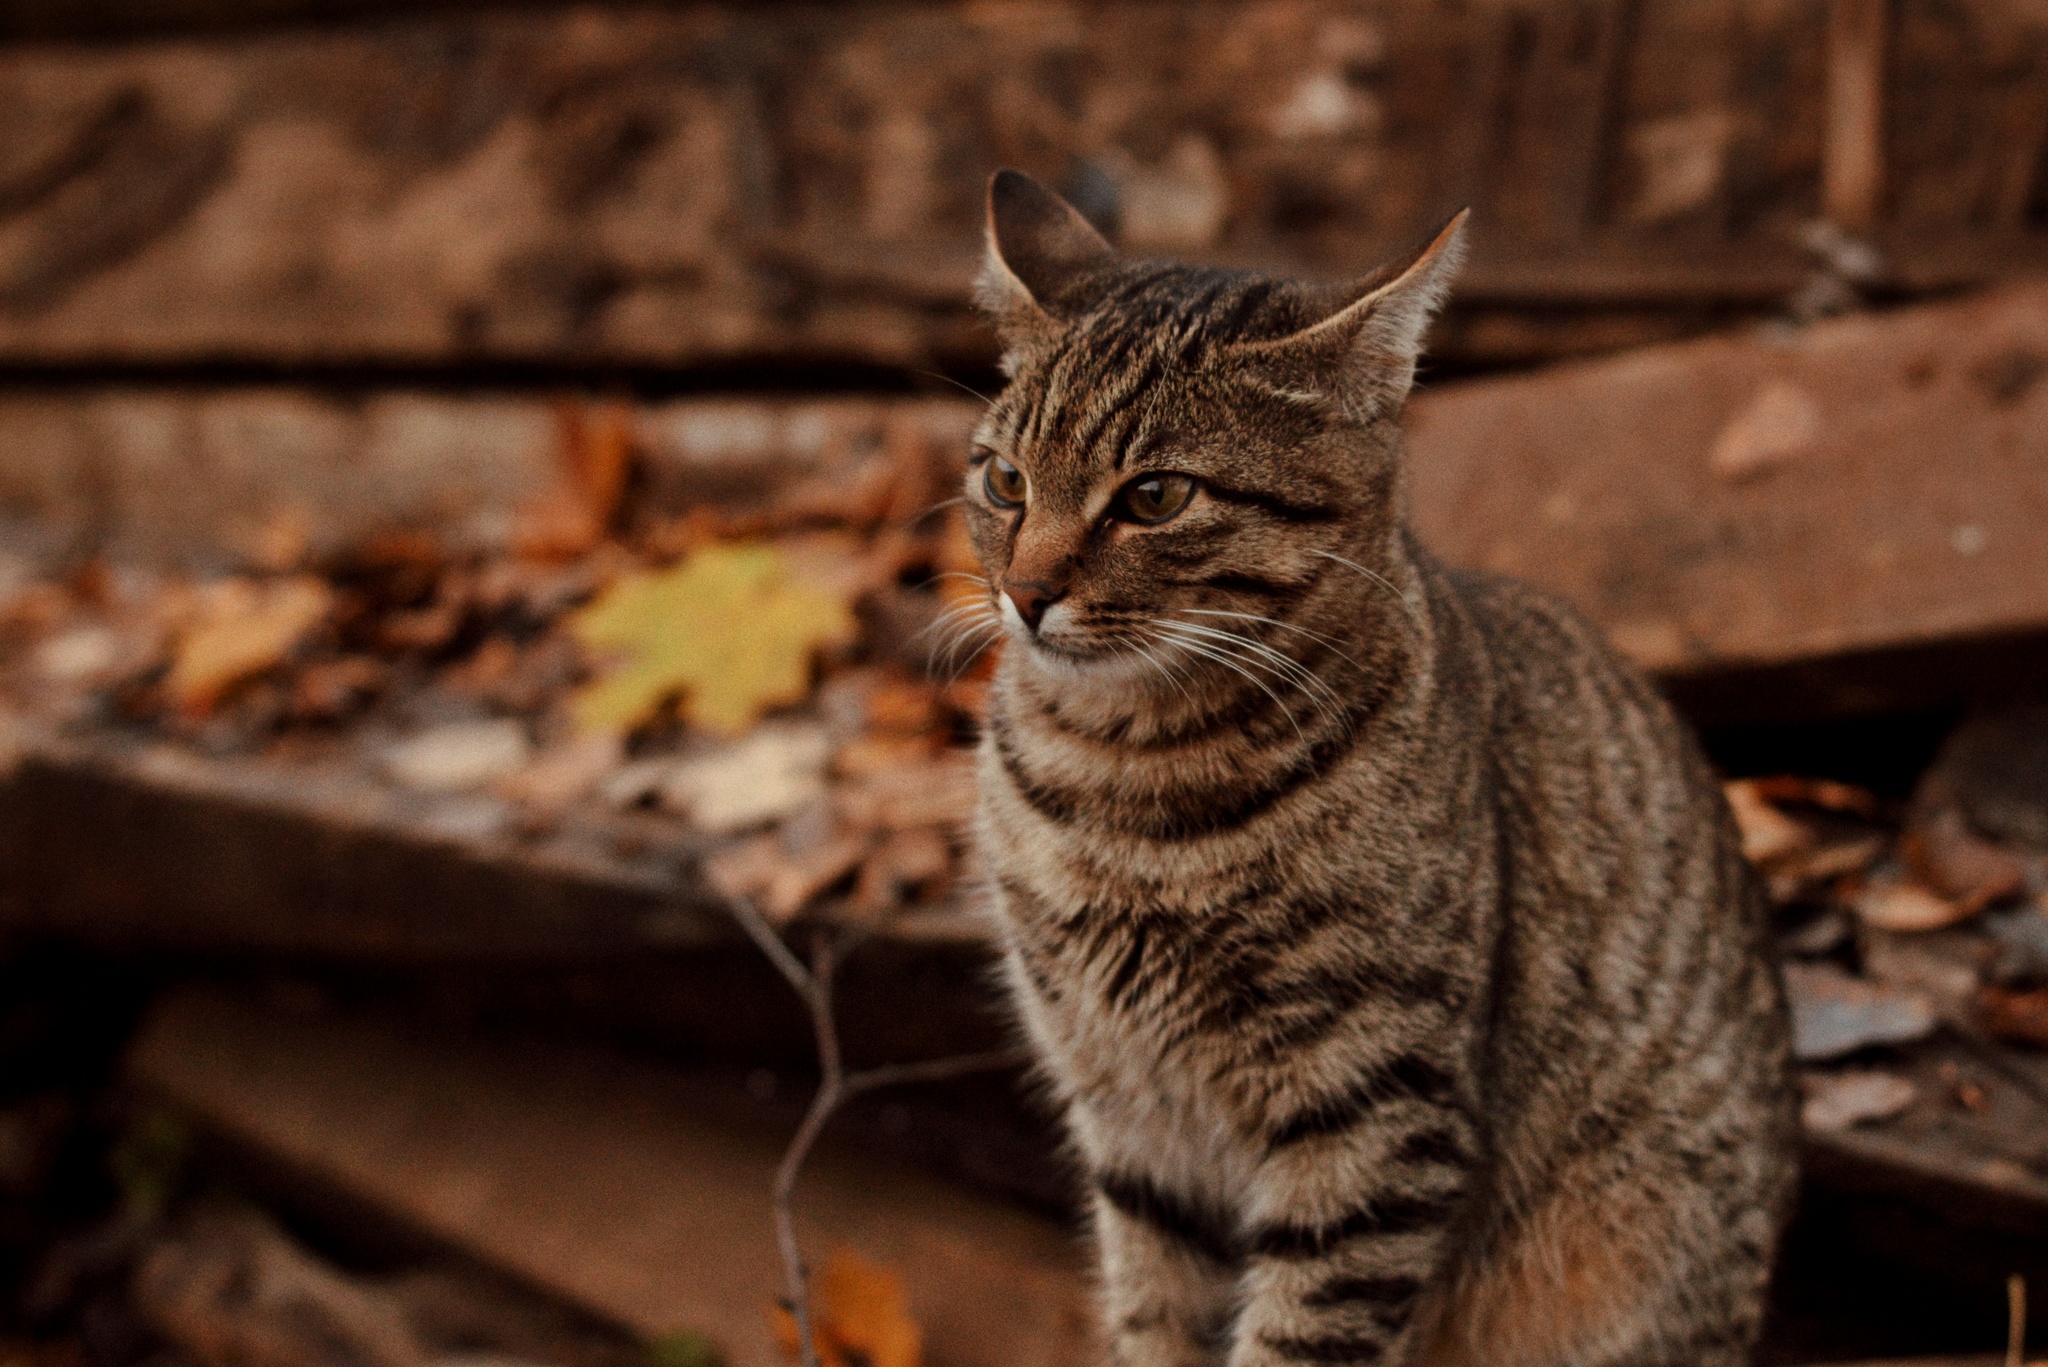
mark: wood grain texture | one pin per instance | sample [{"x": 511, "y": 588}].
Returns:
[
  {"x": 635, "y": 1193},
  {"x": 1868, "y": 482},
  {"x": 773, "y": 182}
]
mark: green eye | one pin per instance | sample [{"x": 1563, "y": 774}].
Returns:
[
  {"x": 1152, "y": 499},
  {"x": 1005, "y": 483}
]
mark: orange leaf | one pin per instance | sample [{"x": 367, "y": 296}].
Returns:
[
  {"x": 2015, "y": 1015},
  {"x": 860, "y": 1314},
  {"x": 1817, "y": 792},
  {"x": 243, "y": 629},
  {"x": 596, "y": 458}
]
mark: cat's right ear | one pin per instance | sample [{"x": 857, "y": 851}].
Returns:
[{"x": 1039, "y": 248}]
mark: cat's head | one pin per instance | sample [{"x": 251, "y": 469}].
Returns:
[{"x": 1180, "y": 449}]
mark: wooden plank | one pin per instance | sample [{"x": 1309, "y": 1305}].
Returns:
[
  {"x": 1853, "y": 160},
  {"x": 638, "y": 1194},
  {"x": 120, "y": 844},
  {"x": 194, "y": 477},
  {"x": 757, "y": 183},
  {"x": 1864, "y": 483}
]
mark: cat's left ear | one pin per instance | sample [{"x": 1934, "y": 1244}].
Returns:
[{"x": 1365, "y": 351}]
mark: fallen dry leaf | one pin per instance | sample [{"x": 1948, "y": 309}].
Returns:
[
  {"x": 1781, "y": 424},
  {"x": 1963, "y": 865},
  {"x": 781, "y": 882},
  {"x": 84, "y": 654},
  {"x": 729, "y": 628},
  {"x": 860, "y": 1315},
  {"x": 2021, "y": 1016},
  {"x": 241, "y": 629},
  {"x": 1837, "y": 1101},
  {"x": 330, "y": 689},
  {"x": 459, "y": 755},
  {"x": 564, "y": 771},
  {"x": 422, "y": 629},
  {"x": 1889, "y": 904},
  {"x": 904, "y": 862},
  {"x": 596, "y": 458},
  {"x": 903, "y": 707},
  {"x": 939, "y": 792},
  {"x": 1802, "y": 872},
  {"x": 772, "y": 774},
  {"x": 1768, "y": 835},
  {"x": 1824, "y": 793},
  {"x": 1834, "y": 1014},
  {"x": 873, "y": 754}
]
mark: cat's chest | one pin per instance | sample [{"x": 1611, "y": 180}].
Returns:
[
  {"x": 1115, "y": 991},
  {"x": 1146, "y": 1091}
]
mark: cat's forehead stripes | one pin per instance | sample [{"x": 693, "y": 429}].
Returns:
[{"x": 1090, "y": 405}]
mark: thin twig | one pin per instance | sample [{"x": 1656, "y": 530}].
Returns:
[
  {"x": 761, "y": 933},
  {"x": 1988, "y": 1052},
  {"x": 2015, "y": 1319},
  {"x": 933, "y": 1070},
  {"x": 814, "y": 983},
  {"x": 831, "y": 1090}
]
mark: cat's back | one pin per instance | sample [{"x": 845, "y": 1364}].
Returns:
[{"x": 1635, "y": 990}]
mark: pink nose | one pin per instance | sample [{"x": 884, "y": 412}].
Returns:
[{"x": 1031, "y": 601}]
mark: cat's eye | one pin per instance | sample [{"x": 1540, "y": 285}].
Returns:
[
  {"x": 1005, "y": 483},
  {"x": 1153, "y": 499}
]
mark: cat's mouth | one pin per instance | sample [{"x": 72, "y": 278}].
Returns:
[{"x": 1058, "y": 641}]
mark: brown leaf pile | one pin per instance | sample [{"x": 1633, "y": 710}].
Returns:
[{"x": 761, "y": 670}]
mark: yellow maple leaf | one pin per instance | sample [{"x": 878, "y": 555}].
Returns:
[
  {"x": 861, "y": 1314},
  {"x": 727, "y": 627},
  {"x": 242, "y": 629}
]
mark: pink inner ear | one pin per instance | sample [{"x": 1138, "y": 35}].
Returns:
[{"x": 1040, "y": 238}]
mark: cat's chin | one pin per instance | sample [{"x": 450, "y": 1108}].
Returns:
[{"x": 1075, "y": 663}]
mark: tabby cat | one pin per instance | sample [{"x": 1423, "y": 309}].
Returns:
[{"x": 1384, "y": 937}]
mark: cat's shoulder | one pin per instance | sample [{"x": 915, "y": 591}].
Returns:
[{"x": 1539, "y": 647}]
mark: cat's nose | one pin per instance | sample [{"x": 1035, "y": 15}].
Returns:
[{"x": 1031, "y": 601}]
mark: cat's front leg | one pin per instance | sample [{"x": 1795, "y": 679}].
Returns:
[
  {"x": 1352, "y": 1304},
  {"x": 1169, "y": 1275},
  {"x": 1348, "y": 1235}
]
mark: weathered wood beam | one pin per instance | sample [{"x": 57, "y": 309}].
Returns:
[
  {"x": 1869, "y": 482},
  {"x": 123, "y": 844},
  {"x": 192, "y": 476},
  {"x": 762, "y": 183},
  {"x": 641, "y": 1195},
  {"x": 1852, "y": 157}
]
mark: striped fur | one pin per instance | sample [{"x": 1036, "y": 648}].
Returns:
[{"x": 1384, "y": 937}]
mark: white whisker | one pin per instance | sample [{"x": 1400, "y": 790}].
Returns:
[
  {"x": 950, "y": 618},
  {"x": 1139, "y": 648},
  {"x": 1279, "y": 665},
  {"x": 1382, "y": 581},
  {"x": 1316, "y": 636},
  {"x": 1195, "y": 646}
]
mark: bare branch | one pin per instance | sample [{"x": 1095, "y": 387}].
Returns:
[
  {"x": 934, "y": 1070},
  {"x": 761, "y": 933},
  {"x": 814, "y": 984}
]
